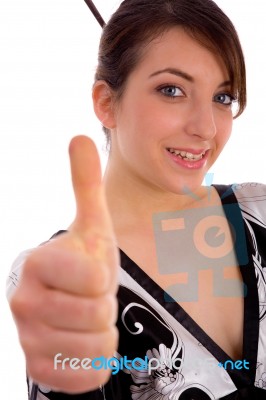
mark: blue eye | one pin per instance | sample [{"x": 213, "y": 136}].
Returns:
[
  {"x": 224, "y": 98},
  {"x": 171, "y": 91}
]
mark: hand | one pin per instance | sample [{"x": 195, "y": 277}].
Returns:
[{"x": 66, "y": 300}]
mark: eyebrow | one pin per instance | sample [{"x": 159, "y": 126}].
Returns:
[{"x": 184, "y": 75}]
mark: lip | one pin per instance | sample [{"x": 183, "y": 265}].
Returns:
[{"x": 189, "y": 164}]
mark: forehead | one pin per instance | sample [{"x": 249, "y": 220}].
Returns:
[{"x": 176, "y": 48}]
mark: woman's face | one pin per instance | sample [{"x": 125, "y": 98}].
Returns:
[{"x": 174, "y": 117}]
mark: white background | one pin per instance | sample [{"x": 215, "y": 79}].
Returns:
[{"x": 48, "y": 53}]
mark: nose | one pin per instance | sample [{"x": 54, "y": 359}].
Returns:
[{"x": 201, "y": 121}]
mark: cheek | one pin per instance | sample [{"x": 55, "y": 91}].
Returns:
[
  {"x": 158, "y": 122},
  {"x": 140, "y": 124}
]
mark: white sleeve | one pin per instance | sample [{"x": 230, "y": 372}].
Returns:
[
  {"x": 251, "y": 197},
  {"x": 15, "y": 273}
]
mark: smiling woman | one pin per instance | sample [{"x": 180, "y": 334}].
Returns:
[
  {"x": 171, "y": 126},
  {"x": 192, "y": 259}
]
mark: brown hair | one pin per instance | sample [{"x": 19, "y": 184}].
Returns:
[{"x": 137, "y": 22}]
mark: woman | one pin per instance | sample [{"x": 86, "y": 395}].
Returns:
[{"x": 191, "y": 316}]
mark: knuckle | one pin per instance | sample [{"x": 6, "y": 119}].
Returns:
[
  {"x": 110, "y": 341},
  {"x": 22, "y": 305},
  {"x": 102, "y": 312},
  {"x": 108, "y": 309},
  {"x": 31, "y": 263},
  {"x": 30, "y": 342},
  {"x": 51, "y": 302},
  {"x": 39, "y": 369},
  {"x": 98, "y": 281}
]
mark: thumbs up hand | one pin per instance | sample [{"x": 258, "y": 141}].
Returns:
[{"x": 66, "y": 301}]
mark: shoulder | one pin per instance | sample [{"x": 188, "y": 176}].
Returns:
[
  {"x": 251, "y": 197},
  {"x": 249, "y": 191}
]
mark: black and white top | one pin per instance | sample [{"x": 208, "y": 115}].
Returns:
[{"x": 191, "y": 365}]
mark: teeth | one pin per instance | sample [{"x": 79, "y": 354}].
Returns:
[
  {"x": 186, "y": 155},
  {"x": 189, "y": 155}
]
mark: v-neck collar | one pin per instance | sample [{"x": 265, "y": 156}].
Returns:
[{"x": 241, "y": 378}]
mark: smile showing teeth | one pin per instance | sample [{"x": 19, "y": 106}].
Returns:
[{"x": 186, "y": 155}]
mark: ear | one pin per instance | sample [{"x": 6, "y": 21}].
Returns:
[{"x": 103, "y": 102}]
